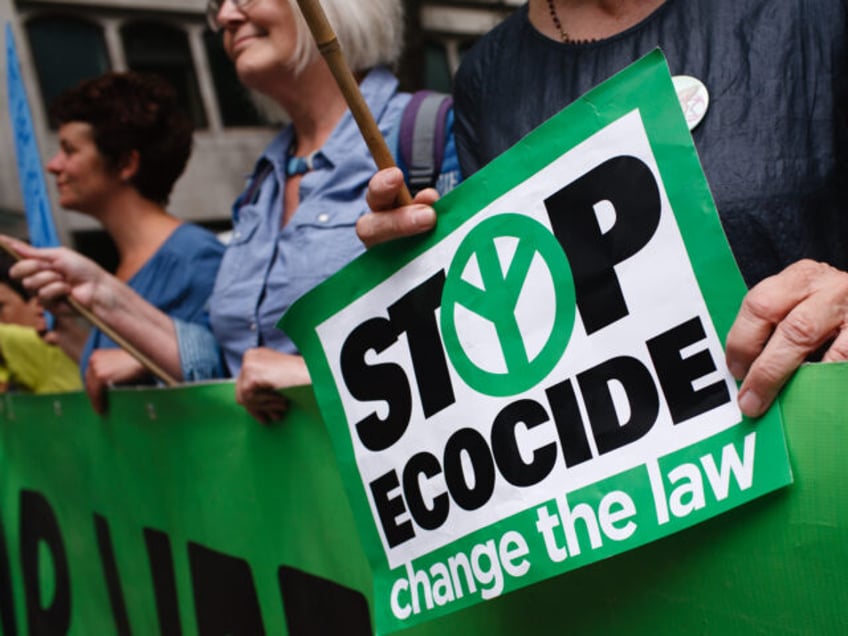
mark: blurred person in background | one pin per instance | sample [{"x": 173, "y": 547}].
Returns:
[
  {"x": 123, "y": 143},
  {"x": 27, "y": 362},
  {"x": 294, "y": 225}
]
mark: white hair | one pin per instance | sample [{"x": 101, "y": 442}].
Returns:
[{"x": 370, "y": 32}]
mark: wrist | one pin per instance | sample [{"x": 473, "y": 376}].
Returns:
[{"x": 106, "y": 292}]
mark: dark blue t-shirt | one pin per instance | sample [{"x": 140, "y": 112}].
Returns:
[
  {"x": 772, "y": 142},
  {"x": 178, "y": 279}
]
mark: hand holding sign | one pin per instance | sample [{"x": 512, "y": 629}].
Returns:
[
  {"x": 782, "y": 320},
  {"x": 548, "y": 353},
  {"x": 139, "y": 328},
  {"x": 106, "y": 368},
  {"x": 264, "y": 371},
  {"x": 386, "y": 222}
]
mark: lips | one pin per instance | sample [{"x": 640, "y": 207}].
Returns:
[
  {"x": 243, "y": 37},
  {"x": 239, "y": 42}
]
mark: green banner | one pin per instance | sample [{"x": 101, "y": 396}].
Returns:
[
  {"x": 177, "y": 511},
  {"x": 179, "y": 514},
  {"x": 539, "y": 384}
]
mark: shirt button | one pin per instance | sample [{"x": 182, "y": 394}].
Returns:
[
  {"x": 253, "y": 326},
  {"x": 323, "y": 217},
  {"x": 237, "y": 235}
]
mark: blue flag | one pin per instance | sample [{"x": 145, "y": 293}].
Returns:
[{"x": 42, "y": 230}]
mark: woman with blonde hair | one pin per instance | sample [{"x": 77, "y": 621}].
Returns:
[{"x": 294, "y": 225}]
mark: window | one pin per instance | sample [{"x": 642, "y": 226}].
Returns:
[
  {"x": 153, "y": 47},
  {"x": 235, "y": 105},
  {"x": 437, "y": 72},
  {"x": 66, "y": 51},
  {"x": 441, "y": 59}
]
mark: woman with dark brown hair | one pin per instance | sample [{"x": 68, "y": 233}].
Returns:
[
  {"x": 294, "y": 225},
  {"x": 123, "y": 143}
]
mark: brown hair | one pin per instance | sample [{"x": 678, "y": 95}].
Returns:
[{"x": 133, "y": 111}]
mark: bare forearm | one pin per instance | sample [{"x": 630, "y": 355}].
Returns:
[
  {"x": 142, "y": 325},
  {"x": 57, "y": 274}
]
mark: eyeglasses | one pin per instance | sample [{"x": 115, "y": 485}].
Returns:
[{"x": 213, "y": 7}]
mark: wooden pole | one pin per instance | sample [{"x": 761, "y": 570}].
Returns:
[
  {"x": 332, "y": 53},
  {"x": 151, "y": 366}
]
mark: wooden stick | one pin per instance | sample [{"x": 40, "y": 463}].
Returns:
[
  {"x": 331, "y": 51},
  {"x": 151, "y": 366}
]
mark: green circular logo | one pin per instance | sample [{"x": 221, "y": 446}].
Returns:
[{"x": 496, "y": 300}]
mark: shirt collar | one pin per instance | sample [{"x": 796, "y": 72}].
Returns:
[{"x": 377, "y": 87}]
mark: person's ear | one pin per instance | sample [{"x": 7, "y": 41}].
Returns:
[{"x": 129, "y": 166}]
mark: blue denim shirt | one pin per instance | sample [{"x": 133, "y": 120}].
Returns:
[
  {"x": 177, "y": 279},
  {"x": 266, "y": 267}
]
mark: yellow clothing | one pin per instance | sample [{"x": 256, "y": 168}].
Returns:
[{"x": 29, "y": 362}]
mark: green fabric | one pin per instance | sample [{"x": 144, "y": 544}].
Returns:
[{"x": 190, "y": 463}]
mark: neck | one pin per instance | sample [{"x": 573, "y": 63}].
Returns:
[
  {"x": 590, "y": 19},
  {"x": 138, "y": 227},
  {"x": 315, "y": 104}
]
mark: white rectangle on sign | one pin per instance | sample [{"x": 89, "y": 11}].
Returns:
[{"x": 503, "y": 303}]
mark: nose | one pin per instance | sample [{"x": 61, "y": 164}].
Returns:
[
  {"x": 54, "y": 166},
  {"x": 229, "y": 14}
]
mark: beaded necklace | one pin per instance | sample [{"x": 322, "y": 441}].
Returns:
[{"x": 563, "y": 34}]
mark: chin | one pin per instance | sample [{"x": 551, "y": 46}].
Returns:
[
  {"x": 255, "y": 70},
  {"x": 73, "y": 205},
  {"x": 67, "y": 203},
  {"x": 248, "y": 71}
]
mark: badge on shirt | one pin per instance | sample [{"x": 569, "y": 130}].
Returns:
[{"x": 694, "y": 98}]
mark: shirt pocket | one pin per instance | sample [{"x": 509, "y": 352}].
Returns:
[
  {"x": 324, "y": 245},
  {"x": 242, "y": 257}
]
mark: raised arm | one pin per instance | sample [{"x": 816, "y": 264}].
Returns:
[{"x": 55, "y": 273}]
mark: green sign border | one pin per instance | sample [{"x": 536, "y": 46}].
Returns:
[
  {"x": 645, "y": 85},
  {"x": 648, "y": 81}
]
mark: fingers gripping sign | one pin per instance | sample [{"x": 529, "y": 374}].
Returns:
[
  {"x": 782, "y": 321},
  {"x": 107, "y": 368},
  {"x": 54, "y": 273},
  {"x": 386, "y": 221},
  {"x": 265, "y": 371}
]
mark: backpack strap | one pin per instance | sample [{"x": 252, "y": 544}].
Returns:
[{"x": 421, "y": 142}]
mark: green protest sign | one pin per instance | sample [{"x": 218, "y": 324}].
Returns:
[
  {"x": 179, "y": 514},
  {"x": 540, "y": 384}
]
